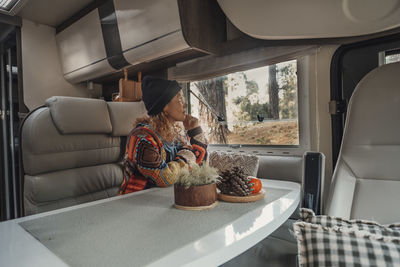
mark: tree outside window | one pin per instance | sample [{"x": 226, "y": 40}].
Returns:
[{"x": 253, "y": 107}]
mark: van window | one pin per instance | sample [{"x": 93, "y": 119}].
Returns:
[
  {"x": 254, "y": 107},
  {"x": 389, "y": 56},
  {"x": 392, "y": 56}
]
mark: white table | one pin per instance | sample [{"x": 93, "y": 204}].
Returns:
[{"x": 90, "y": 234}]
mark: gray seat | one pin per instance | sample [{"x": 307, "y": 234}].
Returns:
[
  {"x": 366, "y": 180},
  {"x": 71, "y": 151}
]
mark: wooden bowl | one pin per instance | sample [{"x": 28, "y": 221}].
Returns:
[{"x": 195, "y": 197}]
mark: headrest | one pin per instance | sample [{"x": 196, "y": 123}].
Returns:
[
  {"x": 123, "y": 116},
  {"x": 372, "y": 131},
  {"x": 375, "y": 105},
  {"x": 73, "y": 115}
]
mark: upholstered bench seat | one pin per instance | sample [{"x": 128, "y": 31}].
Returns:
[{"x": 72, "y": 149}]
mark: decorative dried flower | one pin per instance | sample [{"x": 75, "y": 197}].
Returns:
[{"x": 197, "y": 175}]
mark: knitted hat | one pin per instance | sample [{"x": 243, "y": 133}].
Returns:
[{"x": 157, "y": 93}]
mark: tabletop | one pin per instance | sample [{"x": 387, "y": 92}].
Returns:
[{"x": 144, "y": 229}]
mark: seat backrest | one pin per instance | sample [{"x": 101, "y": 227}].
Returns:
[
  {"x": 366, "y": 180},
  {"x": 71, "y": 151}
]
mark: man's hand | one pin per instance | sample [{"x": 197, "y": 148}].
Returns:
[{"x": 190, "y": 122}]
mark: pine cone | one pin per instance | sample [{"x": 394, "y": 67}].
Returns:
[
  {"x": 225, "y": 176},
  {"x": 225, "y": 188},
  {"x": 223, "y": 182},
  {"x": 240, "y": 185},
  {"x": 234, "y": 182}
]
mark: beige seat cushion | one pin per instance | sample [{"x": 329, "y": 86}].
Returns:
[{"x": 71, "y": 151}]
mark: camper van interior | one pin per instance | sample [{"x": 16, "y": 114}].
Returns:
[{"x": 303, "y": 95}]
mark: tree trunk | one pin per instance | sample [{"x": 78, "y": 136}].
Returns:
[
  {"x": 213, "y": 92},
  {"x": 273, "y": 90}
]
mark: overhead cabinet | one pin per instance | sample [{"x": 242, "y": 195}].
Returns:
[{"x": 123, "y": 33}]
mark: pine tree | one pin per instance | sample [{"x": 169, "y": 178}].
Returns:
[
  {"x": 213, "y": 92},
  {"x": 288, "y": 85},
  {"x": 273, "y": 90}
]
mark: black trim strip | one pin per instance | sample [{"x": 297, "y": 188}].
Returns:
[
  {"x": 12, "y": 20},
  {"x": 111, "y": 37},
  {"x": 21, "y": 102},
  {"x": 152, "y": 40},
  {"x": 392, "y": 52},
  {"x": 337, "y": 120},
  {"x": 91, "y": 64}
]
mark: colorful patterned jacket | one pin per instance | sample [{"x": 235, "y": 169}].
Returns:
[{"x": 149, "y": 161}]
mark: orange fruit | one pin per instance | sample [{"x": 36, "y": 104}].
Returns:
[{"x": 257, "y": 185}]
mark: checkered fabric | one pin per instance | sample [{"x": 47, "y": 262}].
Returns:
[
  {"x": 324, "y": 246},
  {"x": 392, "y": 230},
  {"x": 331, "y": 241}
]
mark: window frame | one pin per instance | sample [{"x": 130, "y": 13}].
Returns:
[
  {"x": 383, "y": 54},
  {"x": 303, "y": 94}
]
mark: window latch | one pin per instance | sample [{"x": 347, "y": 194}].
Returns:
[{"x": 337, "y": 107}]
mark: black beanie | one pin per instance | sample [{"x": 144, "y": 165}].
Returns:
[{"x": 157, "y": 93}]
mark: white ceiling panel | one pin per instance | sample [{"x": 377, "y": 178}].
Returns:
[
  {"x": 294, "y": 19},
  {"x": 51, "y": 12}
]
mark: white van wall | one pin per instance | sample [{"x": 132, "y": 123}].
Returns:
[
  {"x": 42, "y": 74},
  {"x": 320, "y": 119}
]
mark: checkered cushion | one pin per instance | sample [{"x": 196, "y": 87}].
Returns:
[
  {"x": 226, "y": 161},
  {"x": 309, "y": 216},
  {"x": 331, "y": 241},
  {"x": 325, "y": 246}
]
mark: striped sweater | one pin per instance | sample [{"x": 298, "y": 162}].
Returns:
[{"x": 149, "y": 161}]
